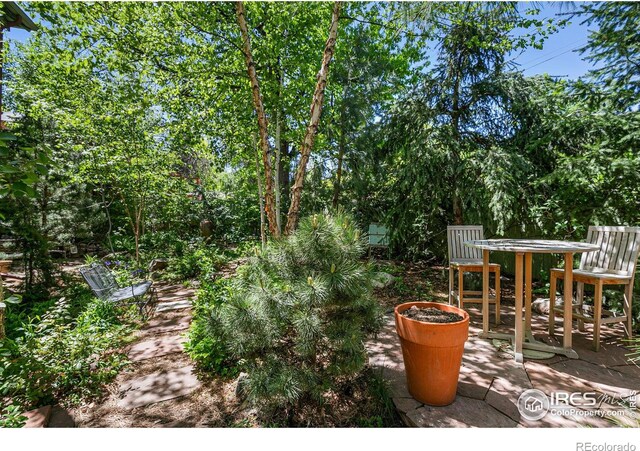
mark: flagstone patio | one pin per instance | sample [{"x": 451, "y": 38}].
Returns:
[{"x": 491, "y": 381}]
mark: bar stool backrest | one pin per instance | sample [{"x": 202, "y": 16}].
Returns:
[
  {"x": 618, "y": 251},
  {"x": 457, "y": 235}
]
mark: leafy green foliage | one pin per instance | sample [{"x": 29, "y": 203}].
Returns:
[
  {"x": 58, "y": 356},
  {"x": 20, "y": 167},
  {"x": 206, "y": 349},
  {"x": 298, "y": 314},
  {"x": 477, "y": 142},
  {"x": 24, "y": 163},
  {"x": 11, "y": 417},
  {"x": 195, "y": 260}
]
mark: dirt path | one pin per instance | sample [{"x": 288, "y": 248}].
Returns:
[{"x": 159, "y": 388}]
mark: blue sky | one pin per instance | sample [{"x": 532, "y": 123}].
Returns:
[
  {"x": 556, "y": 58},
  {"x": 16, "y": 34}
]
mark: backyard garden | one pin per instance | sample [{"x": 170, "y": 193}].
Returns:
[{"x": 213, "y": 213}]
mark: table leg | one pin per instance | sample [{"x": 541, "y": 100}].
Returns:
[
  {"x": 485, "y": 291},
  {"x": 568, "y": 299},
  {"x": 519, "y": 335},
  {"x": 527, "y": 292}
]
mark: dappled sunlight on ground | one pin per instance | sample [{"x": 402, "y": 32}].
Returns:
[{"x": 491, "y": 381}]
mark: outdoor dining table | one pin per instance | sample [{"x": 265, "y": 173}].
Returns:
[{"x": 524, "y": 250}]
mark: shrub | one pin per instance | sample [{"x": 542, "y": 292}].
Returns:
[
  {"x": 58, "y": 356},
  {"x": 204, "y": 348},
  {"x": 11, "y": 417},
  {"x": 298, "y": 314},
  {"x": 199, "y": 259}
]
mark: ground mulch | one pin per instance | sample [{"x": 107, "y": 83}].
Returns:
[
  {"x": 427, "y": 281},
  {"x": 215, "y": 403}
]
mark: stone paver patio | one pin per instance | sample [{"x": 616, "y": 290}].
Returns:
[
  {"x": 166, "y": 339},
  {"x": 157, "y": 387},
  {"x": 491, "y": 382},
  {"x": 160, "y": 372},
  {"x": 156, "y": 347}
]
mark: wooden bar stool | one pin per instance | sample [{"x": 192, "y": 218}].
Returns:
[
  {"x": 465, "y": 259},
  {"x": 613, "y": 264}
]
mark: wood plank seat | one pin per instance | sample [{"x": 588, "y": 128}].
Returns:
[
  {"x": 613, "y": 264},
  {"x": 465, "y": 259}
]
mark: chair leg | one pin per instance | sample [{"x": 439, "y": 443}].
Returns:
[
  {"x": 460, "y": 288},
  {"x": 451, "y": 276},
  {"x": 552, "y": 304},
  {"x": 597, "y": 315},
  {"x": 497, "y": 276},
  {"x": 580, "y": 299},
  {"x": 628, "y": 308}
]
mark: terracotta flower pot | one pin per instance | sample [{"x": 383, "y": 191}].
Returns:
[{"x": 432, "y": 353}]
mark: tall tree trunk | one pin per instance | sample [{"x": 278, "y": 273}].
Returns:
[
  {"x": 285, "y": 164},
  {"x": 134, "y": 214},
  {"x": 312, "y": 128},
  {"x": 263, "y": 235},
  {"x": 137, "y": 236},
  {"x": 44, "y": 205},
  {"x": 458, "y": 212},
  {"x": 110, "y": 224},
  {"x": 278, "y": 162},
  {"x": 341, "y": 142},
  {"x": 336, "y": 186},
  {"x": 458, "y": 218},
  {"x": 269, "y": 206}
]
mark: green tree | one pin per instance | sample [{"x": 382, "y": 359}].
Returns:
[
  {"x": 614, "y": 47},
  {"x": 298, "y": 314},
  {"x": 443, "y": 160}
]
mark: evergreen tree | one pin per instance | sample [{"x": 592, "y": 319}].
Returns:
[
  {"x": 614, "y": 49},
  {"x": 299, "y": 313}
]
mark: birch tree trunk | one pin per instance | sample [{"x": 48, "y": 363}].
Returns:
[
  {"x": 312, "y": 128},
  {"x": 269, "y": 206}
]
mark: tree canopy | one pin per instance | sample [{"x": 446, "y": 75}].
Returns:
[{"x": 148, "y": 115}]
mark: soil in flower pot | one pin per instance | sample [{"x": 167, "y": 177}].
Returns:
[
  {"x": 432, "y": 337},
  {"x": 431, "y": 315}
]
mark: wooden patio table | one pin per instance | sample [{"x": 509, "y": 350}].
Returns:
[{"x": 524, "y": 250}]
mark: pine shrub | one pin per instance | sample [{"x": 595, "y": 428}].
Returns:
[{"x": 299, "y": 313}]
